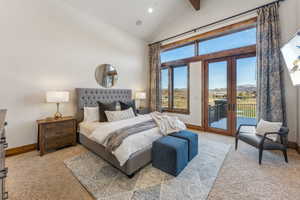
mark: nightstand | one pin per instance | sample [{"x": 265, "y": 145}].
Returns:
[
  {"x": 143, "y": 111},
  {"x": 54, "y": 134}
]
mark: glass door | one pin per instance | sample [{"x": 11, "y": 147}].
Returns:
[
  {"x": 217, "y": 96},
  {"x": 230, "y": 93},
  {"x": 245, "y": 90}
]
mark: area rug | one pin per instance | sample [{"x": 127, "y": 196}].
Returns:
[{"x": 104, "y": 182}]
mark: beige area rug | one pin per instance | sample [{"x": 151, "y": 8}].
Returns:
[{"x": 195, "y": 182}]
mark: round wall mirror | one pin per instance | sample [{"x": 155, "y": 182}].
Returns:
[{"x": 106, "y": 75}]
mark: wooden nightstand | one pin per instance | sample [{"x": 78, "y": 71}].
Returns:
[{"x": 54, "y": 134}]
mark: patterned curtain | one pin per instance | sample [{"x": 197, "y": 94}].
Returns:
[
  {"x": 154, "y": 89},
  {"x": 271, "y": 98}
]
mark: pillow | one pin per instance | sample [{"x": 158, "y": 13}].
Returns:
[
  {"x": 91, "y": 114},
  {"x": 266, "y": 127},
  {"x": 104, "y": 107},
  {"x": 119, "y": 115},
  {"x": 127, "y": 105}
]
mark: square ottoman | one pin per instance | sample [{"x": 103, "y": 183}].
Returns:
[
  {"x": 170, "y": 154},
  {"x": 192, "y": 139}
]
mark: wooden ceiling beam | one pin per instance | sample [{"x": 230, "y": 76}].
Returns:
[{"x": 195, "y": 4}]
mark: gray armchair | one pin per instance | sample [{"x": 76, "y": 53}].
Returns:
[{"x": 263, "y": 142}]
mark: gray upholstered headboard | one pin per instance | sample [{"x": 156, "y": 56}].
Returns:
[{"x": 88, "y": 97}]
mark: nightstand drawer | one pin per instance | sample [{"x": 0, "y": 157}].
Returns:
[
  {"x": 57, "y": 133},
  {"x": 59, "y": 125},
  {"x": 59, "y": 142}
]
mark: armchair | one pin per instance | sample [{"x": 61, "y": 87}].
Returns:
[{"x": 262, "y": 142}]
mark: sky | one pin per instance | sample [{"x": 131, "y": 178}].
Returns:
[{"x": 246, "y": 67}]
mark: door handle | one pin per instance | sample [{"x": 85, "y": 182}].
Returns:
[{"x": 229, "y": 107}]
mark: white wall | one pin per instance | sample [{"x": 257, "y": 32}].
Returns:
[
  {"x": 46, "y": 45},
  {"x": 213, "y": 10}
]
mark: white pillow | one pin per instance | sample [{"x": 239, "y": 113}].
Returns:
[
  {"x": 119, "y": 115},
  {"x": 267, "y": 127},
  {"x": 91, "y": 114}
]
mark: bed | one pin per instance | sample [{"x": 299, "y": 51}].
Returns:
[{"x": 87, "y": 97}]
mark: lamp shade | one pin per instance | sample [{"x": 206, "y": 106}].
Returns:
[
  {"x": 57, "y": 97},
  {"x": 140, "y": 95},
  {"x": 291, "y": 54}
]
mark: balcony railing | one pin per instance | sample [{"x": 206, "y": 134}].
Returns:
[
  {"x": 219, "y": 111},
  {"x": 246, "y": 110}
]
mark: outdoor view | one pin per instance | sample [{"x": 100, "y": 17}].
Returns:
[
  {"x": 246, "y": 93},
  {"x": 164, "y": 88},
  {"x": 218, "y": 79},
  {"x": 180, "y": 91}
]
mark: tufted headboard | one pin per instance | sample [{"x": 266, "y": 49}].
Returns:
[{"x": 88, "y": 97}]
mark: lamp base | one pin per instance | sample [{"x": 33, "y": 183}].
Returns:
[{"x": 57, "y": 115}]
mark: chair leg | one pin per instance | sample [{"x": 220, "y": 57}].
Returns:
[
  {"x": 260, "y": 155},
  {"x": 236, "y": 143},
  {"x": 285, "y": 155}
]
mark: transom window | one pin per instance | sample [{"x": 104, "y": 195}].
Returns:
[
  {"x": 186, "y": 51},
  {"x": 230, "y": 41}
]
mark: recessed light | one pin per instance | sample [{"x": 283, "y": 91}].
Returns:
[{"x": 150, "y": 10}]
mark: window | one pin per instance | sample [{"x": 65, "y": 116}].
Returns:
[
  {"x": 175, "y": 95},
  {"x": 178, "y": 53},
  {"x": 230, "y": 41},
  {"x": 165, "y": 88},
  {"x": 175, "y": 70},
  {"x": 180, "y": 90}
]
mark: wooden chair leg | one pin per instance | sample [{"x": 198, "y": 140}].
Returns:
[
  {"x": 260, "y": 155},
  {"x": 285, "y": 155}
]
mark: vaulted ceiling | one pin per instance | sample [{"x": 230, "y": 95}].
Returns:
[{"x": 132, "y": 16}]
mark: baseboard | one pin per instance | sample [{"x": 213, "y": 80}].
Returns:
[
  {"x": 294, "y": 145},
  {"x": 19, "y": 150},
  {"x": 195, "y": 127}
]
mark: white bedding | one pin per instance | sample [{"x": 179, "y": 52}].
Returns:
[
  {"x": 97, "y": 132},
  {"x": 87, "y": 128}
]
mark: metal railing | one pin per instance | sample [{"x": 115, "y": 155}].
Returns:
[
  {"x": 219, "y": 111},
  {"x": 246, "y": 110}
]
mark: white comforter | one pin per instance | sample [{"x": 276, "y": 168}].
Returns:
[{"x": 131, "y": 144}]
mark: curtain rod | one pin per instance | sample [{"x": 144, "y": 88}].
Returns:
[{"x": 216, "y": 22}]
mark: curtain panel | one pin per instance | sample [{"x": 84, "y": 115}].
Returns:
[
  {"x": 271, "y": 97},
  {"x": 154, "y": 86}
]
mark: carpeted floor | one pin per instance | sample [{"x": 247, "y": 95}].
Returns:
[
  {"x": 105, "y": 182},
  {"x": 32, "y": 177}
]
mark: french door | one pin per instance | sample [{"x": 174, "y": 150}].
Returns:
[{"x": 229, "y": 93}]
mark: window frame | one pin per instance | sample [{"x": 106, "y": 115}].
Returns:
[
  {"x": 223, "y": 31},
  {"x": 170, "y": 107}
]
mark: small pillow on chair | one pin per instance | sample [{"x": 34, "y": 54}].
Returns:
[{"x": 268, "y": 127}]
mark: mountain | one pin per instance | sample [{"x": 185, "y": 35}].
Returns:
[{"x": 240, "y": 88}]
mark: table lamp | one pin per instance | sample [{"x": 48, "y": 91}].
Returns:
[
  {"x": 57, "y": 97},
  {"x": 139, "y": 96}
]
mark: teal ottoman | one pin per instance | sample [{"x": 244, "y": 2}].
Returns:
[
  {"x": 170, "y": 154},
  {"x": 191, "y": 138}
]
